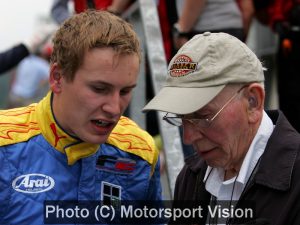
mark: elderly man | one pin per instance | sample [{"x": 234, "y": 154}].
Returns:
[{"x": 243, "y": 155}]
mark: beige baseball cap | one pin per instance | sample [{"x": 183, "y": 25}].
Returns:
[{"x": 201, "y": 69}]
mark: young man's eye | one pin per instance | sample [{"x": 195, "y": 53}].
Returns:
[{"x": 99, "y": 89}]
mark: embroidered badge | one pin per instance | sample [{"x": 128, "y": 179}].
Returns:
[
  {"x": 182, "y": 66},
  {"x": 111, "y": 194},
  {"x": 116, "y": 165},
  {"x": 33, "y": 183}
]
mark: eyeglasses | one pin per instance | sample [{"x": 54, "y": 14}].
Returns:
[{"x": 178, "y": 120}]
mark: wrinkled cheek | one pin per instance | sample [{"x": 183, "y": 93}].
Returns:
[{"x": 218, "y": 159}]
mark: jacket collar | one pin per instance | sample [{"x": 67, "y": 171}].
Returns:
[
  {"x": 277, "y": 162},
  {"x": 73, "y": 147}
]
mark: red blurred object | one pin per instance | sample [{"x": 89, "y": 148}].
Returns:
[{"x": 287, "y": 45}]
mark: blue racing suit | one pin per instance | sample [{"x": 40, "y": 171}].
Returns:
[{"x": 39, "y": 161}]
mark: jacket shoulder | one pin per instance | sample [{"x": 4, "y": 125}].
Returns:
[
  {"x": 18, "y": 125},
  {"x": 129, "y": 137}
]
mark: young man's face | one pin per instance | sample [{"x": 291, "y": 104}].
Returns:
[{"x": 90, "y": 106}]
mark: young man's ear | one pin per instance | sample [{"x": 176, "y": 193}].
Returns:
[
  {"x": 255, "y": 95},
  {"x": 55, "y": 78}
]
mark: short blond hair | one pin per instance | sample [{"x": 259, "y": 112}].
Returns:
[{"x": 88, "y": 30}]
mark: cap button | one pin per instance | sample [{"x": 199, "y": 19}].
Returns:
[{"x": 207, "y": 33}]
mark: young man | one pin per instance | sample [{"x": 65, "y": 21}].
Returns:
[
  {"x": 244, "y": 155},
  {"x": 75, "y": 144}
]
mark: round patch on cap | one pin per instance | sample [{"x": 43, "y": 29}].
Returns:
[{"x": 182, "y": 66}]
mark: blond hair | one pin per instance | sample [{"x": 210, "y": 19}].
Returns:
[{"x": 88, "y": 30}]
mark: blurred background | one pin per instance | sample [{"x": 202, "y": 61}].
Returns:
[{"x": 19, "y": 20}]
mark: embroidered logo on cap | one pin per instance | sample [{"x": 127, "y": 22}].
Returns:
[{"x": 182, "y": 66}]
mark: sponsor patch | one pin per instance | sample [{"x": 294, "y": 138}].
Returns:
[
  {"x": 182, "y": 66},
  {"x": 114, "y": 164},
  {"x": 33, "y": 183},
  {"x": 111, "y": 194}
]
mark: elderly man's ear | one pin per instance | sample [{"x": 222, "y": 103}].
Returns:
[{"x": 255, "y": 95}]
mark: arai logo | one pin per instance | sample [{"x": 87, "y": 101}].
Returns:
[{"x": 33, "y": 183}]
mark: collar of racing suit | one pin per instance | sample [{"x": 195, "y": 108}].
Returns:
[
  {"x": 21, "y": 124},
  {"x": 73, "y": 147}
]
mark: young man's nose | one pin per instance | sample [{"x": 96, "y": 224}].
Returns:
[{"x": 113, "y": 105}]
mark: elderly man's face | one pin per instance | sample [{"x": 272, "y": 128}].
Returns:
[
  {"x": 90, "y": 106},
  {"x": 225, "y": 142}
]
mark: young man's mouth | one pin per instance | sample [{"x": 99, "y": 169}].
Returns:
[{"x": 102, "y": 123}]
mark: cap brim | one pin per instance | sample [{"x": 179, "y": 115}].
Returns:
[{"x": 182, "y": 100}]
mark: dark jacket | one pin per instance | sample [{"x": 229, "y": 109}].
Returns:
[
  {"x": 11, "y": 57},
  {"x": 274, "y": 186}
]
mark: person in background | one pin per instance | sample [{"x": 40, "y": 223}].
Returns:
[
  {"x": 11, "y": 57},
  {"x": 75, "y": 144},
  {"x": 244, "y": 156},
  {"x": 197, "y": 16},
  {"x": 14, "y": 55},
  {"x": 284, "y": 19},
  {"x": 60, "y": 10},
  {"x": 247, "y": 9},
  {"x": 30, "y": 83}
]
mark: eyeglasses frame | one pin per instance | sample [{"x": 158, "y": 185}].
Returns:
[{"x": 196, "y": 121}]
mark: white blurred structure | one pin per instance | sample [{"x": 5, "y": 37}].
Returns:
[{"x": 20, "y": 18}]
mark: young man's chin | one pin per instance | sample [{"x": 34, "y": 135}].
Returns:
[{"x": 100, "y": 139}]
